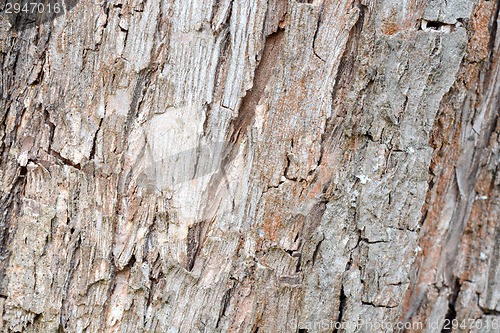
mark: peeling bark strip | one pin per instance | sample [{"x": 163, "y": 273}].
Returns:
[{"x": 251, "y": 166}]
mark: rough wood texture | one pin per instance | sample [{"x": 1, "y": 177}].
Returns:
[{"x": 251, "y": 166}]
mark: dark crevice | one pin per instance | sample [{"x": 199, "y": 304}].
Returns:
[
  {"x": 296, "y": 237},
  {"x": 37, "y": 317},
  {"x": 270, "y": 187},
  {"x": 130, "y": 263},
  {"x": 94, "y": 142},
  {"x": 425, "y": 213},
  {"x": 379, "y": 306},
  {"x": 493, "y": 34},
  {"x": 451, "y": 314},
  {"x": 490, "y": 312},
  {"x": 342, "y": 306},
  {"x": 316, "y": 32},
  {"x": 426, "y": 25},
  {"x": 349, "y": 263},
  {"x": 287, "y": 167},
  {"x": 64, "y": 160},
  {"x": 374, "y": 242},
  {"x": 23, "y": 171},
  {"x": 434, "y": 25},
  {"x": 298, "y": 268}
]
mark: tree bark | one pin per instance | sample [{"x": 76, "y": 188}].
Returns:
[{"x": 251, "y": 166}]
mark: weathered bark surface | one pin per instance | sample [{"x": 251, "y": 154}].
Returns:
[{"x": 251, "y": 166}]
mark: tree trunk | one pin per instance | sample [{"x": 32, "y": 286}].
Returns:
[{"x": 251, "y": 166}]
